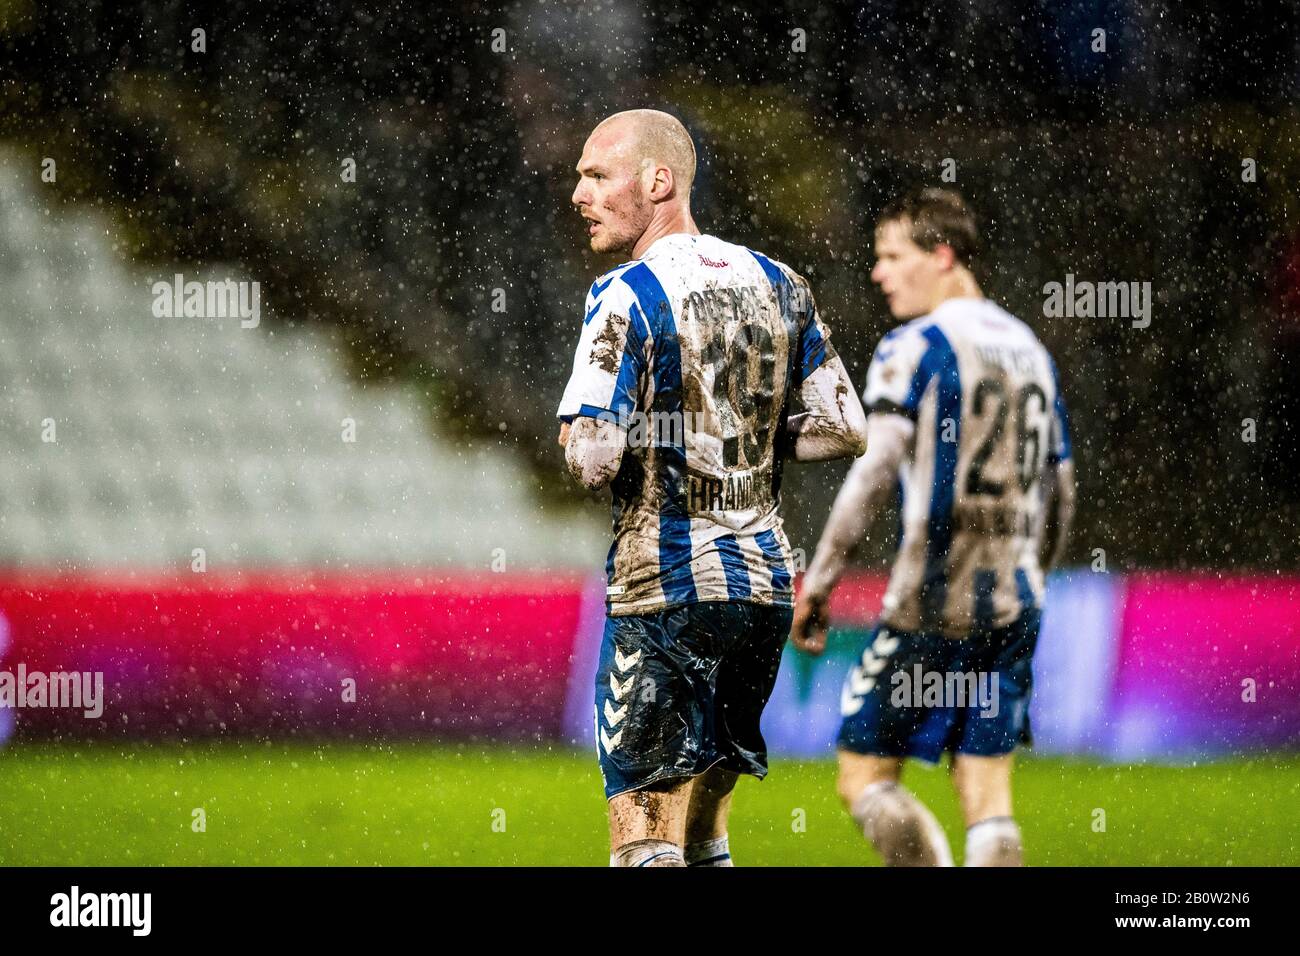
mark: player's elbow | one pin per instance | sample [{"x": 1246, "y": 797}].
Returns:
[
  {"x": 588, "y": 470},
  {"x": 593, "y": 454},
  {"x": 857, "y": 439},
  {"x": 855, "y": 420},
  {"x": 594, "y": 481},
  {"x": 850, "y": 444},
  {"x": 853, "y": 435}
]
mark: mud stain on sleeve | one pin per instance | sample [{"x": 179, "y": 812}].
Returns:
[
  {"x": 607, "y": 347},
  {"x": 842, "y": 396}
]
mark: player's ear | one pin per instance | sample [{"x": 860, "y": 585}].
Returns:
[
  {"x": 661, "y": 183},
  {"x": 947, "y": 258}
]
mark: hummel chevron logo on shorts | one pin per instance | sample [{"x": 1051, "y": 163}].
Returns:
[
  {"x": 615, "y": 717},
  {"x": 862, "y": 678}
]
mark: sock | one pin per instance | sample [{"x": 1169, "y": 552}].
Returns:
[
  {"x": 647, "y": 853},
  {"x": 994, "y": 842},
  {"x": 900, "y": 827},
  {"x": 714, "y": 852}
]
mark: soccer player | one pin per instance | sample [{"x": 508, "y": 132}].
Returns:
[
  {"x": 680, "y": 401},
  {"x": 965, "y": 410}
]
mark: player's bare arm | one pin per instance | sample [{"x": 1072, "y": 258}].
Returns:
[{"x": 864, "y": 492}]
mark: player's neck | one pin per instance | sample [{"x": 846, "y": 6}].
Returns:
[
  {"x": 959, "y": 284},
  {"x": 667, "y": 222}
]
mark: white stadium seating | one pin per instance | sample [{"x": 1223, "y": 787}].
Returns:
[{"x": 182, "y": 433}]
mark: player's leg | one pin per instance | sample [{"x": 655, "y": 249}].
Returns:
[
  {"x": 900, "y": 827},
  {"x": 751, "y": 639},
  {"x": 877, "y": 732},
  {"x": 991, "y": 731},
  {"x": 984, "y": 788},
  {"x": 647, "y": 826},
  {"x": 654, "y": 727},
  {"x": 707, "y": 843}
]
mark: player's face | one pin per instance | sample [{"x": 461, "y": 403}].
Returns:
[
  {"x": 907, "y": 274},
  {"x": 609, "y": 194}
]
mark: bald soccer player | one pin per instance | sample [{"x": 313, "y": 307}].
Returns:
[{"x": 688, "y": 360}]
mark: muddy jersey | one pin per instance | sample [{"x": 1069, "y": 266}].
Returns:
[
  {"x": 695, "y": 349},
  {"x": 989, "y": 417}
]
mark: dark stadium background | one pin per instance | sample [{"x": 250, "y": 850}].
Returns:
[{"x": 1122, "y": 166}]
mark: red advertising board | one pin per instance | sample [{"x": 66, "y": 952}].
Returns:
[{"x": 447, "y": 653}]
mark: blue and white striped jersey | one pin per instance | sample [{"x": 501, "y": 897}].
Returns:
[
  {"x": 989, "y": 417},
  {"x": 696, "y": 349}
]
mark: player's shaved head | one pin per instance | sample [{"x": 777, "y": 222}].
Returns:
[
  {"x": 635, "y": 179},
  {"x": 653, "y": 138}
]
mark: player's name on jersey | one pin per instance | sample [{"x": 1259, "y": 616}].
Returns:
[
  {"x": 713, "y": 307},
  {"x": 739, "y": 491},
  {"x": 993, "y": 521},
  {"x": 1010, "y": 358}
]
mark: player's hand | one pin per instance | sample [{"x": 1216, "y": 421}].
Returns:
[
  {"x": 564, "y": 435},
  {"x": 808, "y": 630}
]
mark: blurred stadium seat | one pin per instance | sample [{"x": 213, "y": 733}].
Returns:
[{"x": 182, "y": 433}]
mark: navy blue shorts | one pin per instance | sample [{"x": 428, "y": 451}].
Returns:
[
  {"x": 682, "y": 690},
  {"x": 917, "y": 695}
]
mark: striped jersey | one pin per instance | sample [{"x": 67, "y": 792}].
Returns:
[
  {"x": 989, "y": 417},
  {"x": 695, "y": 349}
]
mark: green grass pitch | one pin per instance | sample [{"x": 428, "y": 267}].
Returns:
[{"x": 419, "y": 804}]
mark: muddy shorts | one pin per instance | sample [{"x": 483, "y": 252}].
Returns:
[{"x": 682, "y": 690}]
